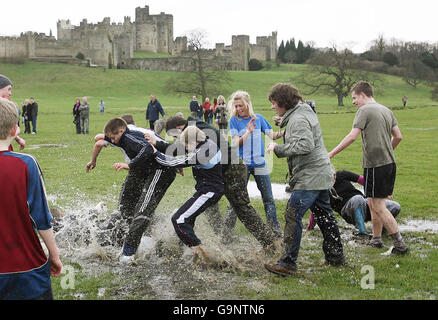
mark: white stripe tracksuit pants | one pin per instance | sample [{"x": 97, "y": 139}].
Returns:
[{"x": 184, "y": 219}]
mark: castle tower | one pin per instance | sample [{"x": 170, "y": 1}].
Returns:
[
  {"x": 240, "y": 51},
  {"x": 64, "y": 30},
  {"x": 142, "y": 14},
  {"x": 273, "y": 47},
  {"x": 153, "y": 32}
]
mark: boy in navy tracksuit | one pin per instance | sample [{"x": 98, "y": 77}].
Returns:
[
  {"x": 153, "y": 178},
  {"x": 204, "y": 157}
]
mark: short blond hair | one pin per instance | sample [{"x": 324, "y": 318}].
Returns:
[
  {"x": 192, "y": 134},
  {"x": 8, "y": 117}
]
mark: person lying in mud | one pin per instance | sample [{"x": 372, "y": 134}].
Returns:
[
  {"x": 204, "y": 156},
  {"x": 351, "y": 203},
  {"x": 145, "y": 186}
]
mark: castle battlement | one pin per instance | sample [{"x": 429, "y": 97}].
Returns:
[{"x": 110, "y": 44}]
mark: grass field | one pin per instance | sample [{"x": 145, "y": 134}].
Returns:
[{"x": 56, "y": 86}]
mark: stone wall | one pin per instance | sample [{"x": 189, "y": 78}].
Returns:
[
  {"x": 13, "y": 47},
  {"x": 179, "y": 64}
]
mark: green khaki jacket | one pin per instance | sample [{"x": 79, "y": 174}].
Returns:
[{"x": 307, "y": 157}]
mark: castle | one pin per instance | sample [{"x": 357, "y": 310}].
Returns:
[{"x": 112, "y": 45}]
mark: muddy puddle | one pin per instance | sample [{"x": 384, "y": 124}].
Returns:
[
  {"x": 45, "y": 146},
  {"x": 164, "y": 269}
]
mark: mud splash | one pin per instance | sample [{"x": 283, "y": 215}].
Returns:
[{"x": 164, "y": 269}]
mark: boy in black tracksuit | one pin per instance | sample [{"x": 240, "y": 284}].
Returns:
[
  {"x": 204, "y": 158},
  {"x": 153, "y": 179}
]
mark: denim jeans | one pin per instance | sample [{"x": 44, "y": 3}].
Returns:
[
  {"x": 263, "y": 181},
  {"x": 34, "y": 124},
  {"x": 319, "y": 202}
]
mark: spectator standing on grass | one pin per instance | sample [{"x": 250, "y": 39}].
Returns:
[
  {"x": 200, "y": 111},
  {"x": 213, "y": 111},
  {"x": 208, "y": 111},
  {"x": 25, "y": 269},
  {"x": 34, "y": 114},
  {"x": 26, "y": 116},
  {"x": 84, "y": 116},
  {"x": 222, "y": 114},
  {"x": 380, "y": 136},
  {"x": 153, "y": 112},
  {"x": 102, "y": 106},
  {"x": 77, "y": 116},
  {"x": 311, "y": 178},
  {"x": 194, "y": 107},
  {"x": 404, "y": 100}
]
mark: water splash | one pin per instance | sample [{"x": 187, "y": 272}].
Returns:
[{"x": 164, "y": 269}]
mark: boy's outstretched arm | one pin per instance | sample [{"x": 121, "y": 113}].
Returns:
[{"x": 96, "y": 151}]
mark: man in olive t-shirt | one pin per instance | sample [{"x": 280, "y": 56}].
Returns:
[
  {"x": 380, "y": 136},
  {"x": 376, "y": 123}
]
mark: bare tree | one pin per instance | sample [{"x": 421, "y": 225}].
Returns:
[
  {"x": 200, "y": 81},
  {"x": 335, "y": 72},
  {"x": 416, "y": 72}
]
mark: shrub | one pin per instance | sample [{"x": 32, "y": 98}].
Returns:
[
  {"x": 390, "y": 59},
  {"x": 255, "y": 65},
  {"x": 80, "y": 56}
]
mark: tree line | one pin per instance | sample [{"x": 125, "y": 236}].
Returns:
[
  {"x": 331, "y": 70},
  {"x": 335, "y": 71}
]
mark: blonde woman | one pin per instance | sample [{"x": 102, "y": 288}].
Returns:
[{"x": 246, "y": 128}]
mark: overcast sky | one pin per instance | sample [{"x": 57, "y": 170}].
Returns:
[{"x": 340, "y": 22}]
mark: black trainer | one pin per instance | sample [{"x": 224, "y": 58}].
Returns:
[{"x": 399, "y": 251}]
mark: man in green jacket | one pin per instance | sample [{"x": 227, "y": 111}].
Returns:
[{"x": 311, "y": 178}]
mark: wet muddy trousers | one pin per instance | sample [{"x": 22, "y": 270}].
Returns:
[
  {"x": 319, "y": 203},
  {"x": 184, "y": 219},
  {"x": 235, "y": 183},
  {"x": 141, "y": 193}
]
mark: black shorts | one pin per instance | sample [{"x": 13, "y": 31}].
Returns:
[{"x": 379, "y": 182}]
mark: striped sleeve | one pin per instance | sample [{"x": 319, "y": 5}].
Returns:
[
  {"x": 176, "y": 162},
  {"x": 37, "y": 199}
]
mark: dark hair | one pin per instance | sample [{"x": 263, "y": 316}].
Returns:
[
  {"x": 365, "y": 87},
  {"x": 129, "y": 118},
  {"x": 285, "y": 95},
  {"x": 174, "y": 122},
  {"x": 114, "y": 125}
]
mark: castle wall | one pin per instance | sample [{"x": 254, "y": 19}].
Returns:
[
  {"x": 11, "y": 47},
  {"x": 47, "y": 48},
  {"x": 179, "y": 64},
  {"x": 259, "y": 52}
]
